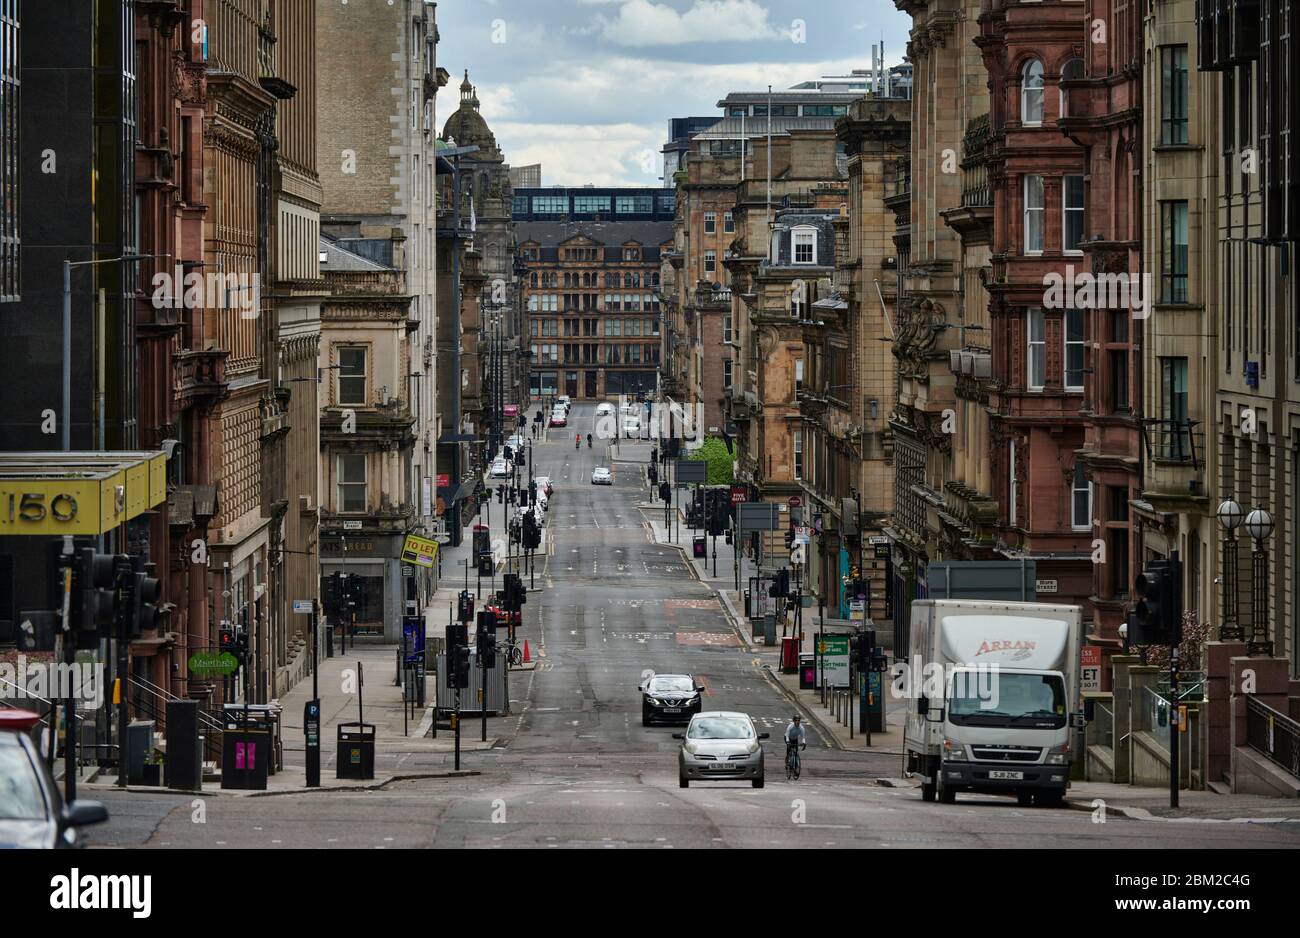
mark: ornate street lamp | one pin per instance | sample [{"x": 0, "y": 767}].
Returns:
[
  {"x": 1230, "y": 517},
  {"x": 1259, "y": 525}
]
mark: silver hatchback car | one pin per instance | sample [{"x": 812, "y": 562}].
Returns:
[{"x": 718, "y": 746}]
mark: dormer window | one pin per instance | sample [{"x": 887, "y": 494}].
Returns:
[{"x": 803, "y": 245}]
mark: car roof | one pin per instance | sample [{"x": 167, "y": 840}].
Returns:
[
  {"x": 722, "y": 713},
  {"x": 668, "y": 675}
]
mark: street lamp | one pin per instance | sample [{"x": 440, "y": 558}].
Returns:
[
  {"x": 1230, "y": 517},
  {"x": 1259, "y": 525}
]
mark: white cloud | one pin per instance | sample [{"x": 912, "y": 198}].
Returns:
[
  {"x": 577, "y": 154},
  {"x": 643, "y": 23}
]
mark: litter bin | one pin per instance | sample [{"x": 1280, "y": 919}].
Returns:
[
  {"x": 697, "y": 545},
  {"x": 356, "y": 751},
  {"x": 807, "y": 671},
  {"x": 769, "y": 630},
  {"x": 245, "y": 756},
  {"x": 789, "y": 654}
]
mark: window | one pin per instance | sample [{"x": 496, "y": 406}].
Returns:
[
  {"x": 631, "y": 254},
  {"x": 1118, "y": 498},
  {"x": 590, "y": 203},
  {"x": 1074, "y": 350},
  {"x": 668, "y": 202},
  {"x": 519, "y": 205},
  {"x": 634, "y": 204},
  {"x": 352, "y": 376},
  {"x": 1069, "y": 71},
  {"x": 804, "y": 245},
  {"x": 728, "y": 223},
  {"x": 1072, "y": 213},
  {"x": 1175, "y": 432},
  {"x": 798, "y": 454},
  {"x": 710, "y": 222},
  {"x": 1031, "y": 93},
  {"x": 1080, "y": 498},
  {"x": 550, "y": 204},
  {"x": 1118, "y": 379},
  {"x": 726, "y": 372},
  {"x": 798, "y": 375},
  {"x": 726, "y": 328},
  {"x": 710, "y": 262},
  {"x": 613, "y": 327},
  {"x": 1036, "y": 371},
  {"x": 352, "y": 483},
  {"x": 1173, "y": 94},
  {"x": 1011, "y": 484},
  {"x": 1173, "y": 252},
  {"x": 1033, "y": 214}
]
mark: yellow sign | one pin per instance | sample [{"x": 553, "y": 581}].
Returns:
[
  {"x": 54, "y": 493},
  {"x": 420, "y": 551}
]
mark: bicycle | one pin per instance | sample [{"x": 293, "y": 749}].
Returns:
[
  {"x": 792, "y": 766},
  {"x": 513, "y": 653}
]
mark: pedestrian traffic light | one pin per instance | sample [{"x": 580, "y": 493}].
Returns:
[
  {"x": 665, "y": 492},
  {"x": 464, "y": 607},
  {"x": 789, "y": 539},
  {"x": 501, "y": 495},
  {"x": 780, "y": 584},
  {"x": 485, "y": 566}
]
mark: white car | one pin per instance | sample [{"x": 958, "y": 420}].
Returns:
[
  {"x": 501, "y": 468},
  {"x": 516, "y": 443},
  {"x": 602, "y": 476},
  {"x": 632, "y": 426},
  {"x": 719, "y": 746},
  {"x": 564, "y": 399},
  {"x": 604, "y": 410},
  {"x": 543, "y": 484}
]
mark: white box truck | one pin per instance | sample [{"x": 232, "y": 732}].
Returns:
[{"x": 992, "y": 698}]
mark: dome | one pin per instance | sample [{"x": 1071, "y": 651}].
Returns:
[{"x": 466, "y": 126}]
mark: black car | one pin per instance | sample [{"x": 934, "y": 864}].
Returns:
[
  {"x": 32, "y": 812},
  {"x": 669, "y": 698}
]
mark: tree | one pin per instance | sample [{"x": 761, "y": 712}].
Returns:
[{"x": 721, "y": 463}]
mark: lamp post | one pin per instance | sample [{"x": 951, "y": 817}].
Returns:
[
  {"x": 1259, "y": 525},
  {"x": 1230, "y": 517}
]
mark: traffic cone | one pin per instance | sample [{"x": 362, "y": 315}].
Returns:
[{"x": 527, "y": 656}]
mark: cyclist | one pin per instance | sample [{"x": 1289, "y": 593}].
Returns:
[
  {"x": 577, "y": 441},
  {"x": 794, "y": 736},
  {"x": 588, "y": 441}
]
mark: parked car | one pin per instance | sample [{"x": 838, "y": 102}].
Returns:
[
  {"x": 605, "y": 410},
  {"x": 632, "y": 426},
  {"x": 602, "y": 476},
  {"x": 559, "y": 418},
  {"x": 720, "y": 745},
  {"x": 517, "y": 443},
  {"x": 564, "y": 399},
  {"x": 32, "y": 812},
  {"x": 669, "y": 698},
  {"x": 501, "y": 468},
  {"x": 544, "y": 482}
]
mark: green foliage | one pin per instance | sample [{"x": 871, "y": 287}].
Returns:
[{"x": 721, "y": 463}]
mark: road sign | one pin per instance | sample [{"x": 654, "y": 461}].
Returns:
[
  {"x": 420, "y": 551},
  {"x": 1045, "y": 586},
  {"x": 739, "y": 494},
  {"x": 877, "y": 539},
  {"x": 691, "y": 470},
  {"x": 795, "y": 501},
  {"x": 351, "y": 525},
  {"x": 757, "y": 516},
  {"x": 303, "y": 606}
]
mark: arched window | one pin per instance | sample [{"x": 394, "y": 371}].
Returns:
[
  {"x": 1031, "y": 92},
  {"x": 1069, "y": 71}
]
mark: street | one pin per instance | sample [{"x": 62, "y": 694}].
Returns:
[{"x": 574, "y": 767}]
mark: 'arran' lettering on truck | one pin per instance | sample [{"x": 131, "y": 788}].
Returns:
[{"x": 987, "y": 646}]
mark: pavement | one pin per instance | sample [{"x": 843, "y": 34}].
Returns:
[{"x": 573, "y": 766}]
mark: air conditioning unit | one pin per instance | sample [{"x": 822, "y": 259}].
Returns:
[
  {"x": 982, "y": 367},
  {"x": 954, "y": 361},
  {"x": 966, "y": 362}
]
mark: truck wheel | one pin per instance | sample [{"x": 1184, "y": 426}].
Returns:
[
  {"x": 1024, "y": 799},
  {"x": 947, "y": 795},
  {"x": 1049, "y": 799},
  {"x": 927, "y": 791},
  {"x": 683, "y": 782}
]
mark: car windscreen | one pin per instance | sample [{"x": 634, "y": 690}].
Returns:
[
  {"x": 720, "y": 728},
  {"x": 1001, "y": 698},
  {"x": 20, "y": 788},
  {"x": 672, "y": 683}
]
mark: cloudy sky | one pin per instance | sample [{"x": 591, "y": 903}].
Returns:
[{"x": 586, "y": 87}]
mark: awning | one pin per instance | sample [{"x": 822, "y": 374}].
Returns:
[{"x": 56, "y": 493}]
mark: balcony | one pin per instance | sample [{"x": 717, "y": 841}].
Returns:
[
  {"x": 199, "y": 376},
  {"x": 898, "y": 184}
]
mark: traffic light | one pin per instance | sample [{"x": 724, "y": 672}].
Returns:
[
  {"x": 485, "y": 566},
  {"x": 457, "y": 657},
  {"x": 138, "y": 597},
  {"x": 487, "y": 647},
  {"x": 665, "y": 492},
  {"x": 93, "y": 581},
  {"x": 780, "y": 584},
  {"x": 1158, "y": 615},
  {"x": 464, "y": 607},
  {"x": 501, "y": 495},
  {"x": 789, "y": 539}
]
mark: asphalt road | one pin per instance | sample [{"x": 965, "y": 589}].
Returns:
[{"x": 575, "y": 767}]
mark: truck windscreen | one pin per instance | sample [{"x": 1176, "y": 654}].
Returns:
[{"x": 1001, "y": 698}]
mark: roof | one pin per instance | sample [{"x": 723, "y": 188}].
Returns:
[
  {"x": 608, "y": 233},
  {"x": 729, "y": 128},
  {"x": 794, "y": 96},
  {"x": 338, "y": 258}
]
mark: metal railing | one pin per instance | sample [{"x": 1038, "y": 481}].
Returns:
[
  {"x": 209, "y": 726},
  {"x": 1273, "y": 735}
]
